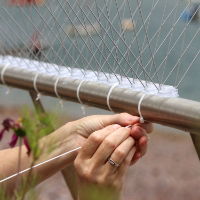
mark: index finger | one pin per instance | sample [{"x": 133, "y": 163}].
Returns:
[
  {"x": 110, "y": 143},
  {"x": 95, "y": 140}
]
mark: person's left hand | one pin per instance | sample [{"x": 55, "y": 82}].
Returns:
[{"x": 102, "y": 162}]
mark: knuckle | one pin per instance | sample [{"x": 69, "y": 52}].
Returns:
[
  {"x": 120, "y": 153},
  {"x": 110, "y": 144},
  {"x": 85, "y": 174},
  {"x": 96, "y": 137},
  {"x": 82, "y": 171}
]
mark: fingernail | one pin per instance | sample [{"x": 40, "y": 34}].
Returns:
[
  {"x": 129, "y": 126},
  {"x": 116, "y": 126}
]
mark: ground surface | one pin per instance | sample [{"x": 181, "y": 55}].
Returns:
[{"x": 169, "y": 171}]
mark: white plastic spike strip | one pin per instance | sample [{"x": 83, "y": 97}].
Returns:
[{"x": 33, "y": 65}]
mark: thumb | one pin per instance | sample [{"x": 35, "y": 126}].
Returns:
[
  {"x": 88, "y": 125},
  {"x": 96, "y": 122},
  {"x": 123, "y": 119}
]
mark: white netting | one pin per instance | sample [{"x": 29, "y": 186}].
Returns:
[{"x": 142, "y": 44}]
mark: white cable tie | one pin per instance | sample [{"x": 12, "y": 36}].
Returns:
[
  {"x": 78, "y": 97},
  {"x": 2, "y": 74},
  {"x": 8, "y": 91},
  {"x": 83, "y": 109},
  {"x": 78, "y": 91},
  {"x": 139, "y": 108},
  {"x": 108, "y": 96},
  {"x": 3, "y": 80},
  {"x": 38, "y": 97},
  {"x": 61, "y": 103},
  {"x": 35, "y": 87},
  {"x": 40, "y": 164},
  {"x": 56, "y": 92}
]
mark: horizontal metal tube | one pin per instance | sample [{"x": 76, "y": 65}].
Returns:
[{"x": 173, "y": 112}]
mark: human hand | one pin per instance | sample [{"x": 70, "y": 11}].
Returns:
[
  {"x": 82, "y": 128},
  {"x": 92, "y": 166},
  {"x": 140, "y": 133}
]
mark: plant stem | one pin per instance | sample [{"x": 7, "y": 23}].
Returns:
[
  {"x": 17, "y": 183},
  {"x": 19, "y": 158},
  {"x": 27, "y": 182}
]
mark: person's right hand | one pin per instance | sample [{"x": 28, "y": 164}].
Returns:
[
  {"x": 97, "y": 176},
  {"x": 82, "y": 128},
  {"x": 74, "y": 134}
]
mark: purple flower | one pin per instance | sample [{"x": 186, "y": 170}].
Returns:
[
  {"x": 7, "y": 125},
  {"x": 20, "y": 133},
  {"x": 13, "y": 141},
  {"x": 26, "y": 143}
]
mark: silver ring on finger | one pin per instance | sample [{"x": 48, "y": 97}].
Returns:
[{"x": 113, "y": 163}]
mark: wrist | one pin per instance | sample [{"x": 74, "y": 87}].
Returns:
[{"x": 60, "y": 141}]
